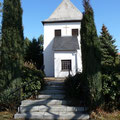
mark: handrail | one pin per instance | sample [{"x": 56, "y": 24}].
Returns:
[{"x": 14, "y": 91}]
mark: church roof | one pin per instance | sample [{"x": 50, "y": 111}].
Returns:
[
  {"x": 67, "y": 43},
  {"x": 66, "y": 11}
]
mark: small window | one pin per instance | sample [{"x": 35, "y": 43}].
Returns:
[
  {"x": 66, "y": 65},
  {"x": 74, "y": 32},
  {"x": 57, "y": 33}
]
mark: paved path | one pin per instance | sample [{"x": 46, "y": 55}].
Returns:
[{"x": 50, "y": 105}]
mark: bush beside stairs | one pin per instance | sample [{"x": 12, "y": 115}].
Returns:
[{"x": 51, "y": 105}]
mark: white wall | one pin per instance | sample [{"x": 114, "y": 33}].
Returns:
[
  {"x": 64, "y": 55},
  {"x": 49, "y": 29}
]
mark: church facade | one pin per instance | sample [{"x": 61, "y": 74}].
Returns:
[{"x": 62, "y": 48}]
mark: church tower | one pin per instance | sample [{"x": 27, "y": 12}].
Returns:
[{"x": 62, "y": 49}]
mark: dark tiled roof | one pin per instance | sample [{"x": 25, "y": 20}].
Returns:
[{"x": 65, "y": 43}]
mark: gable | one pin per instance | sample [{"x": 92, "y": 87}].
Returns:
[{"x": 66, "y": 11}]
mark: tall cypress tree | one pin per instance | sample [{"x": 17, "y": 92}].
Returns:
[
  {"x": 12, "y": 42},
  {"x": 0, "y": 29},
  {"x": 91, "y": 55},
  {"x": 0, "y": 8}
]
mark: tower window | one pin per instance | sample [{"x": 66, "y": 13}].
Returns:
[
  {"x": 66, "y": 65},
  {"x": 57, "y": 33},
  {"x": 74, "y": 32}
]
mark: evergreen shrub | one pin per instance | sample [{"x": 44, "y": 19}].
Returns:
[
  {"x": 75, "y": 87},
  {"x": 36, "y": 76},
  {"x": 32, "y": 82},
  {"x": 8, "y": 101},
  {"x": 111, "y": 91}
]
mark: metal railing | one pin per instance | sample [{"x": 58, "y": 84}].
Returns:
[{"x": 20, "y": 91}]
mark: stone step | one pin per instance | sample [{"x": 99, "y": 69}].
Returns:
[
  {"x": 43, "y": 102},
  {"x": 54, "y": 79},
  {"x": 52, "y": 116},
  {"x": 51, "y": 105},
  {"x": 55, "y": 83},
  {"x": 52, "y": 96},
  {"x": 49, "y": 92},
  {"x": 44, "y": 108},
  {"x": 54, "y": 88}
]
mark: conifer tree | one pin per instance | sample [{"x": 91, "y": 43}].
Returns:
[
  {"x": 110, "y": 70},
  {"x": 26, "y": 43},
  {"x": 40, "y": 41},
  {"x": 34, "y": 52},
  {"x": 91, "y": 56},
  {"x": 26, "y": 46},
  {"x": 108, "y": 51},
  {"x": 12, "y": 42},
  {"x": 0, "y": 29},
  {"x": 0, "y": 8}
]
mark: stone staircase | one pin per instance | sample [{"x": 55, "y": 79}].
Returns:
[{"x": 50, "y": 105}]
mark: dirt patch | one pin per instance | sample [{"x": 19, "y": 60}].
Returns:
[
  {"x": 102, "y": 115},
  {"x": 7, "y": 115}
]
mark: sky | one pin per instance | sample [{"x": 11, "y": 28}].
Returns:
[{"x": 105, "y": 12}]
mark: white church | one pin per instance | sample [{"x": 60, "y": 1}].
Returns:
[{"x": 62, "y": 49}]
